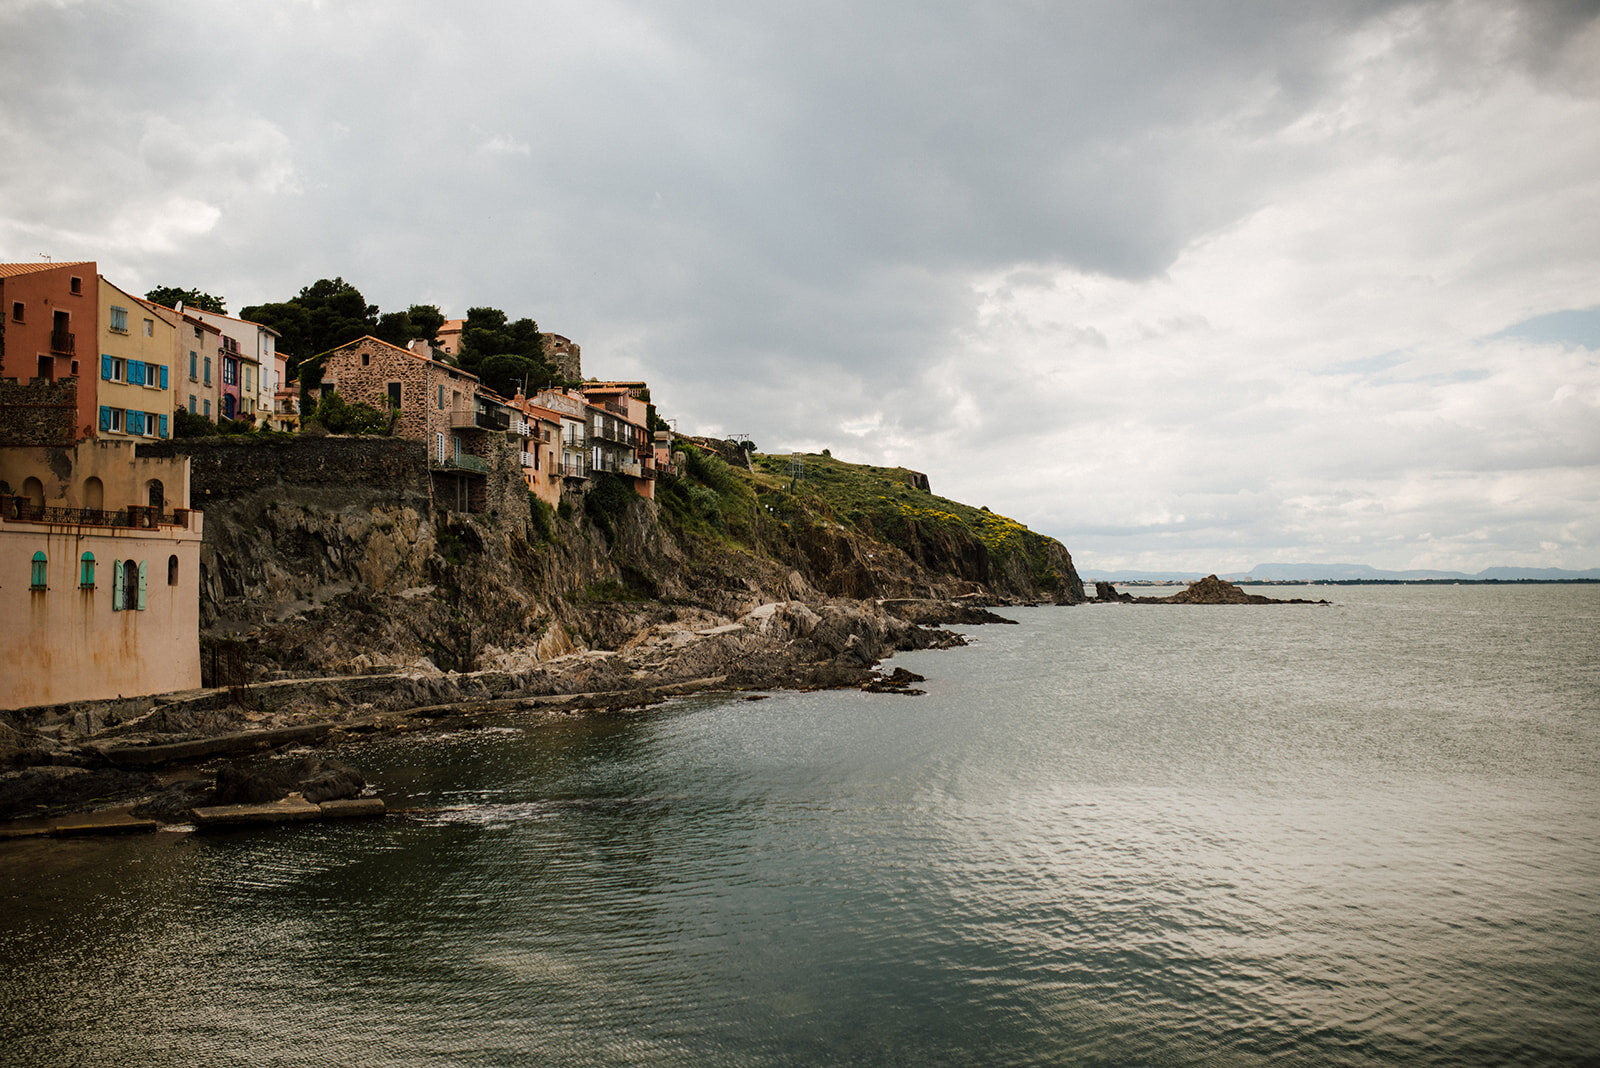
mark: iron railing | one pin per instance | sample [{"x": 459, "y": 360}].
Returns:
[
  {"x": 22, "y": 510},
  {"x": 464, "y": 462},
  {"x": 63, "y": 342}
]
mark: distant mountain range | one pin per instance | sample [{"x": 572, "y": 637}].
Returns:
[{"x": 1343, "y": 572}]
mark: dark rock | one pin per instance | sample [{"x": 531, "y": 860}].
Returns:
[
  {"x": 44, "y": 790},
  {"x": 315, "y": 778},
  {"x": 1105, "y": 591}
]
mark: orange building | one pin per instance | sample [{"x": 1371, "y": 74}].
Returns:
[{"x": 47, "y": 310}]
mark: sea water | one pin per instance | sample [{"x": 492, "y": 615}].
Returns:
[{"x": 1360, "y": 834}]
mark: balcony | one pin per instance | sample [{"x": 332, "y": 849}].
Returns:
[
  {"x": 62, "y": 343},
  {"x": 465, "y": 462},
  {"x": 478, "y": 419},
  {"x": 574, "y": 469},
  {"x": 22, "y": 510}
]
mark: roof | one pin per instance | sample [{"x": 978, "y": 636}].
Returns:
[
  {"x": 235, "y": 318},
  {"x": 11, "y": 270},
  {"x": 406, "y": 352}
]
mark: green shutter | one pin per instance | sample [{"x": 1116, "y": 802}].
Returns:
[
  {"x": 116, "y": 585},
  {"x": 86, "y": 577},
  {"x": 143, "y": 574}
]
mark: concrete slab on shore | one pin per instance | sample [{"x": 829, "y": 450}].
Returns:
[
  {"x": 113, "y": 821},
  {"x": 355, "y": 806},
  {"x": 285, "y": 811}
]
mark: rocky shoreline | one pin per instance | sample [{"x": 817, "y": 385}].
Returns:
[{"x": 159, "y": 758}]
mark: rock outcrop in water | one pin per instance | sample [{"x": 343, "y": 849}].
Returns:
[{"x": 1209, "y": 590}]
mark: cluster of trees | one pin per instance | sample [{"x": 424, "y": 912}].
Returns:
[
  {"x": 506, "y": 354},
  {"x": 170, "y": 296}
]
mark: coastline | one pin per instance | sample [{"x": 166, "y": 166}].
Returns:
[{"x": 72, "y": 763}]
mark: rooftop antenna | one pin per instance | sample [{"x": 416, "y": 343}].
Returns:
[{"x": 46, "y": 259}]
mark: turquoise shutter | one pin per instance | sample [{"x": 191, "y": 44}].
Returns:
[
  {"x": 163, "y": 430},
  {"x": 135, "y": 373},
  {"x": 143, "y": 569},
  {"x": 116, "y": 586},
  {"x": 134, "y": 421},
  {"x": 105, "y": 417},
  {"x": 105, "y": 367},
  {"x": 163, "y": 385}
]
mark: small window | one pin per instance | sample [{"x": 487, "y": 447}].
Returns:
[
  {"x": 172, "y": 571},
  {"x": 207, "y": 404},
  {"x": 119, "y": 320},
  {"x": 394, "y": 394},
  {"x": 16, "y": 311},
  {"x": 77, "y": 285},
  {"x": 441, "y": 398},
  {"x": 191, "y": 404},
  {"x": 149, "y": 328},
  {"x": 39, "y": 565},
  {"x": 86, "y": 572},
  {"x": 208, "y": 371},
  {"x": 193, "y": 365},
  {"x": 366, "y": 359}
]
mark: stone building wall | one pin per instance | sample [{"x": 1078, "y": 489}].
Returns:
[
  {"x": 564, "y": 355},
  {"x": 367, "y": 380},
  {"x": 394, "y": 470}
]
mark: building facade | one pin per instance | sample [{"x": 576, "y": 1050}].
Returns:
[
  {"x": 46, "y": 311},
  {"x": 99, "y": 574},
  {"x": 134, "y": 368},
  {"x": 248, "y": 352}
]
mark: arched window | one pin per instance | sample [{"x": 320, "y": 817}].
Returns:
[
  {"x": 86, "y": 571},
  {"x": 33, "y": 489},
  {"x": 94, "y": 494},
  {"x": 39, "y": 563},
  {"x": 157, "y": 493},
  {"x": 172, "y": 571}
]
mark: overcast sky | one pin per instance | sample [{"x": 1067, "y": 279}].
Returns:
[{"x": 1187, "y": 285}]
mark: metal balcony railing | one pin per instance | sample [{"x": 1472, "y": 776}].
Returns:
[
  {"x": 63, "y": 342},
  {"x": 22, "y": 510}
]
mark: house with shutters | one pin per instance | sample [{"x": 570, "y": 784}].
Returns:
[
  {"x": 47, "y": 310},
  {"x": 447, "y": 409},
  {"x": 134, "y": 388},
  {"x": 247, "y": 357},
  {"x": 99, "y": 573},
  {"x": 619, "y": 438}
]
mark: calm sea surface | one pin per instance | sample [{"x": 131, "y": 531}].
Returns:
[{"x": 1360, "y": 834}]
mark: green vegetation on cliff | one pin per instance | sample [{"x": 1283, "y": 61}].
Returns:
[{"x": 830, "y": 514}]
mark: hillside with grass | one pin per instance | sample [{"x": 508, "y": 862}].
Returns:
[{"x": 858, "y": 530}]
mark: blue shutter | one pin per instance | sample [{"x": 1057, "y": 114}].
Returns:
[
  {"x": 143, "y": 570},
  {"x": 136, "y": 372},
  {"x": 163, "y": 383},
  {"x": 133, "y": 422},
  {"x": 116, "y": 585},
  {"x": 105, "y": 367},
  {"x": 163, "y": 430},
  {"x": 105, "y": 417}
]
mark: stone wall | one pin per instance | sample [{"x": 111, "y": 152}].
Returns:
[
  {"x": 38, "y": 412},
  {"x": 227, "y": 468},
  {"x": 564, "y": 355}
]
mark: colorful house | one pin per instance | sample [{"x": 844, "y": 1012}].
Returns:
[
  {"x": 46, "y": 311},
  {"x": 134, "y": 366},
  {"x": 247, "y": 352}
]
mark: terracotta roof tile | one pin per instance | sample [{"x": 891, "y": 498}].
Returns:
[{"x": 11, "y": 270}]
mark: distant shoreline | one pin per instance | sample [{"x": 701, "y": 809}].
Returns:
[{"x": 1374, "y": 582}]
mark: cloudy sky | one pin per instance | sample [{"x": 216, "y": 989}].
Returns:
[{"x": 1185, "y": 284}]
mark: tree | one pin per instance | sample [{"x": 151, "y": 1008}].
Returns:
[
  {"x": 169, "y": 296},
  {"x": 505, "y": 355},
  {"x": 323, "y": 316}
]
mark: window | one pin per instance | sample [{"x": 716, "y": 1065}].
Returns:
[
  {"x": 112, "y": 419},
  {"x": 172, "y": 571},
  {"x": 193, "y": 368},
  {"x": 113, "y": 368},
  {"x": 230, "y": 371},
  {"x": 119, "y": 320},
  {"x": 16, "y": 311},
  {"x": 208, "y": 371},
  {"x": 366, "y": 359},
  {"x": 77, "y": 285},
  {"x": 156, "y": 494},
  {"x": 394, "y": 394},
  {"x": 86, "y": 572},
  {"x": 207, "y": 403},
  {"x": 128, "y": 586},
  {"x": 39, "y": 564},
  {"x": 191, "y": 404},
  {"x": 149, "y": 328},
  {"x": 441, "y": 398},
  {"x": 249, "y": 380}
]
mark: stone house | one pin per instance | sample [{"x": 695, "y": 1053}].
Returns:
[{"x": 444, "y": 407}]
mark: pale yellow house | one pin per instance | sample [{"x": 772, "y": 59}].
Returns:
[
  {"x": 134, "y": 366},
  {"x": 99, "y": 574}
]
